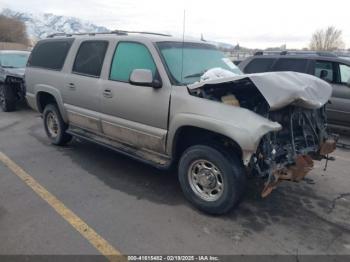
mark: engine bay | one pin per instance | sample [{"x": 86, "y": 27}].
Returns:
[{"x": 241, "y": 93}]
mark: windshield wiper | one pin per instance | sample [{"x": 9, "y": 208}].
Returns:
[
  {"x": 196, "y": 74},
  {"x": 8, "y": 67}
]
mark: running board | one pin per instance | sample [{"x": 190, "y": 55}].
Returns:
[{"x": 141, "y": 154}]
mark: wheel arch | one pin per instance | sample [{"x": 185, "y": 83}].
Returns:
[
  {"x": 188, "y": 135},
  {"x": 45, "y": 97}
]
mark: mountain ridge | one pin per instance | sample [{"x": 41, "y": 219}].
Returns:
[{"x": 40, "y": 25}]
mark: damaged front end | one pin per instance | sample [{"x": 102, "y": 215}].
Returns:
[
  {"x": 297, "y": 102},
  {"x": 289, "y": 153},
  {"x": 16, "y": 84}
]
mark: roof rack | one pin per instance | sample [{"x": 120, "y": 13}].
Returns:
[
  {"x": 309, "y": 53},
  {"x": 114, "y": 32},
  {"x": 139, "y": 32}
]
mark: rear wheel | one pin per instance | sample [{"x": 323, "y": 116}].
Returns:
[
  {"x": 211, "y": 179},
  {"x": 7, "y": 101},
  {"x": 54, "y": 125}
]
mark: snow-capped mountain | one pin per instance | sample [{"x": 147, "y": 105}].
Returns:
[
  {"x": 43, "y": 24},
  {"x": 40, "y": 25}
]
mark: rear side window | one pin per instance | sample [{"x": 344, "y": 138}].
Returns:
[
  {"x": 129, "y": 56},
  {"x": 324, "y": 70},
  {"x": 50, "y": 54},
  {"x": 259, "y": 65},
  {"x": 344, "y": 74},
  {"x": 296, "y": 65},
  {"x": 89, "y": 59}
]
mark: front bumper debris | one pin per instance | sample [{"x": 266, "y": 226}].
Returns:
[
  {"x": 303, "y": 165},
  {"x": 295, "y": 173},
  {"x": 328, "y": 146}
]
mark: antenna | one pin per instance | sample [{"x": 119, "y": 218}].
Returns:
[{"x": 183, "y": 44}]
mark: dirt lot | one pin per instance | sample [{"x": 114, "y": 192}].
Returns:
[{"x": 140, "y": 210}]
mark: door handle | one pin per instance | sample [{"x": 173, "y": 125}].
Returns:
[
  {"x": 71, "y": 85},
  {"x": 107, "y": 93}
]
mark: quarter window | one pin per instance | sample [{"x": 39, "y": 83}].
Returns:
[
  {"x": 344, "y": 74},
  {"x": 89, "y": 59},
  {"x": 129, "y": 56},
  {"x": 50, "y": 54},
  {"x": 324, "y": 70}
]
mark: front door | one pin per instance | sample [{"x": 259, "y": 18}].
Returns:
[{"x": 136, "y": 115}]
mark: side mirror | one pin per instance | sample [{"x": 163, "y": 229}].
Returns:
[
  {"x": 144, "y": 77},
  {"x": 348, "y": 83}
]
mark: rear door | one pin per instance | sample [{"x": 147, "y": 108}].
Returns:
[
  {"x": 46, "y": 68},
  {"x": 341, "y": 95},
  {"x": 81, "y": 92},
  {"x": 136, "y": 115}
]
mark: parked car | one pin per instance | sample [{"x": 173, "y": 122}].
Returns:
[
  {"x": 327, "y": 66},
  {"x": 12, "y": 90},
  {"x": 172, "y": 103}
]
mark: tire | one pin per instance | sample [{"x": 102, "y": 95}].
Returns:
[
  {"x": 225, "y": 171},
  {"x": 55, "y": 127},
  {"x": 7, "y": 99}
]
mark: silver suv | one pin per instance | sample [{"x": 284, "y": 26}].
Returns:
[{"x": 178, "y": 103}]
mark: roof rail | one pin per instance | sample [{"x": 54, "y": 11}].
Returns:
[
  {"x": 330, "y": 54},
  {"x": 56, "y": 34},
  {"x": 285, "y": 53},
  {"x": 140, "y": 32},
  {"x": 259, "y": 53},
  {"x": 269, "y": 53},
  {"x": 72, "y": 34},
  {"x": 318, "y": 53},
  {"x": 115, "y": 32}
]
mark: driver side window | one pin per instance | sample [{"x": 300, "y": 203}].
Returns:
[{"x": 129, "y": 56}]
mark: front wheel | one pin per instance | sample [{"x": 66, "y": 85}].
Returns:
[
  {"x": 7, "y": 101},
  {"x": 54, "y": 125},
  {"x": 211, "y": 179}
]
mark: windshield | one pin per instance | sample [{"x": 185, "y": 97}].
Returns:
[
  {"x": 197, "y": 59},
  {"x": 14, "y": 60}
]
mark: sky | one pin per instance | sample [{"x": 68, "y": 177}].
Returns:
[{"x": 251, "y": 23}]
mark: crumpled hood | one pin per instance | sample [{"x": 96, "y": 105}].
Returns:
[
  {"x": 283, "y": 88},
  {"x": 18, "y": 72}
]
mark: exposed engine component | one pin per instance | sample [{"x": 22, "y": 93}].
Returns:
[
  {"x": 241, "y": 93},
  {"x": 230, "y": 100}
]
